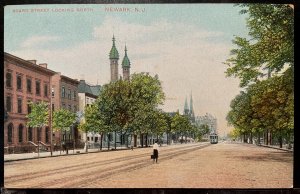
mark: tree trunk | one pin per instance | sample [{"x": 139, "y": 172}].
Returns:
[
  {"x": 142, "y": 139},
  {"x": 135, "y": 140},
  {"x": 115, "y": 140},
  {"x": 146, "y": 139},
  {"x": 251, "y": 140},
  {"x": 108, "y": 141},
  {"x": 101, "y": 141},
  {"x": 168, "y": 138},
  {"x": 280, "y": 141}
]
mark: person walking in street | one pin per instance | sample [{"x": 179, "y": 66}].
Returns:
[{"x": 155, "y": 151}]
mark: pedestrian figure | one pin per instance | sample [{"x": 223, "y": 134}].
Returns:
[{"x": 155, "y": 151}]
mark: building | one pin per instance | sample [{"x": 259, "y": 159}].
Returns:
[
  {"x": 25, "y": 81},
  {"x": 114, "y": 65},
  {"x": 87, "y": 96},
  {"x": 208, "y": 120},
  {"x": 189, "y": 111},
  {"x": 65, "y": 96}
]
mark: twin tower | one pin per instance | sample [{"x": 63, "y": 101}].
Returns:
[{"x": 114, "y": 57}]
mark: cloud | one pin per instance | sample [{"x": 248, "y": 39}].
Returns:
[{"x": 39, "y": 41}]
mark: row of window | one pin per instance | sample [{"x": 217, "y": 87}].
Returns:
[
  {"x": 21, "y": 129},
  {"x": 28, "y": 84},
  {"x": 19, "y": 105},
  {"x": 70, "y": 95}
]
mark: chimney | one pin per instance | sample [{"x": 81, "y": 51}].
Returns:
[
  {"x": 32, "y": 61},
  {"x": 43, "y": 65}
]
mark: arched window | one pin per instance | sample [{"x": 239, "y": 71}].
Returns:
[
  {"x": 30, "y": 134},
  {"x": 10, "y": 133},
  {"x": 21, "y": 133},
  {"x": 47, "y": 134}
]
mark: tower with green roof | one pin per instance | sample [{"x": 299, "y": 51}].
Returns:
[
  {"x": 114, "y": 57},
  {"x": 126, "y": 66}
]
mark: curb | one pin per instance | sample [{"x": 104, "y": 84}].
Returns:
[{"x": 282, "y": 149}]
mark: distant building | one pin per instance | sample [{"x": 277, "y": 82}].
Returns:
[
  {"x": 208, "y": 120},
  {"x": 189, "y": 111}
]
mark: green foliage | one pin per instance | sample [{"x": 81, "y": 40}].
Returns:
[
  {"x": 63, "y": 119},
  {"x": 271, "y": 43},
  {"x": 268, "y": 104},
  {"x": 93, "y": 120},
  {"x": 39, "y": 115},
  {"x": 124, "y": 105},
  {"x": 180, "y": 124}
]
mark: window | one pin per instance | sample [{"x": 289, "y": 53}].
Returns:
[
  {"x": 69, "y": 94},
  {"x": 30, "y": 134},
  {"x": 28, "y": 81},
  {"x": 47, "y": 134},
  {"x": 28, "y": 107},
  {"x": 8, "y": 104},
  {"x": 8, "y": 80},
  {"x": 19, "y": 105},
  {"x": 39, "y": 133},
  {"x": 19, "y": 82},
  {"x": 20, "y": 133},
  {"x": 46, "y": 90},
  {"x": 38, "y": 88},
  {"x": 74, "y": 95},
  {"x": 52, "y": 107},
  {"x": 10, "y": 132},
  {"x": 52, "y": 92},
  {"x": 63, "y": 92}
]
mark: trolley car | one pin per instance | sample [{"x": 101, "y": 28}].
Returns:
[{"x": 213, "y": 138}]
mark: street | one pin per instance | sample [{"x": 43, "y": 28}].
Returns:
[{"x": 199, "y": 165}]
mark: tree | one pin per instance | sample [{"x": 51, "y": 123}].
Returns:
[
  {"x": 93, "y": 122},
  {"x": 270, "y": 46},
  {"x": 62, "y": 120},
  {"x": 180, "y": 125},
  {"x": 146, "y": 94},
  {"x": 273, "y": 104},
  {"x": 201, "y": 130},
  {"x": 38, "y": 118}
]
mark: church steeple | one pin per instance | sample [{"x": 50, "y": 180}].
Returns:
[
  {"x": 186, "y": 107},
  {"x": 126, "y": 65},
  {"x": 192, "y": 115},
  {"x": 114, "y": 57}
]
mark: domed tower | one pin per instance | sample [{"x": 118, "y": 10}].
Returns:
[
  {"x": 114, "y": 57},
  {"x": 126, "y": 66}
]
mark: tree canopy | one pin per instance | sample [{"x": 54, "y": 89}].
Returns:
[{"x": 270, "y": 46}]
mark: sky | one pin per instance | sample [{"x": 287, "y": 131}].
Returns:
[{"x": 186, "y": 45}]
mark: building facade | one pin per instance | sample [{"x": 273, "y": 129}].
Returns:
[
  {"x": 87, "y": 96},
  {"x": 210, "y": 121},
  {"x": 65, "y": 96},
  {"x": 24, "y": 82}
]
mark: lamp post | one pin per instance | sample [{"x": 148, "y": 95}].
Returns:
[{"x": 51, "y": 129}]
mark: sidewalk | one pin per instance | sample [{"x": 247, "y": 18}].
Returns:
[{"x": 35, "y": 155}]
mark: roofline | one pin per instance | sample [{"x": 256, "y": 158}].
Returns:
[
  {"x": 23, "y": 61},
  {"x": 69, "y": 79}
]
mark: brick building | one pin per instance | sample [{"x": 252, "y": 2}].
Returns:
[
  {"x": 24, "y": 81},
  {"x": 65, "y": 95}
]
